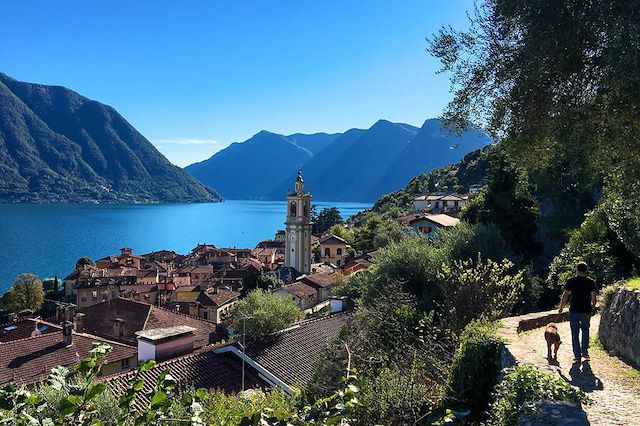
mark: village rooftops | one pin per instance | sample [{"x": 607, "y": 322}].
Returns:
[
  {"x": 332, "y": 239},
  {"x": 300, "y": 290},
  {"x": 439, "y": 219},
  {"x": 293, "y": 353},
  {"x": 219, "y": 297},
  {"x": 101, "y": 319},
  {"x": 23, "y": 328},
  {"x": 30, "y": 360},
  {"x": 167, "y": 333},
  {"x": 200, "y": 369},
  {"x": 441, "y": 197}
]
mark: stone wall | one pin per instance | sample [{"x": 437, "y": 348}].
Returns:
[{"x": 620, "y": 326}]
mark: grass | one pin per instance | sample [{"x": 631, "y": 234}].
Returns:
[
  {"x": 632, "y": 374},
  {"x": 633, "y": 283},
  {"x": 594, "y": 342}
]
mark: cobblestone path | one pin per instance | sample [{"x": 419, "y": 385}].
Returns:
[{"x": 613, "y": 386}]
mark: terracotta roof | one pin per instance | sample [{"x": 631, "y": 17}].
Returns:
[
  {"x": 332, "y": 239},
  {"x": 221, "y": 298},
  {"x": 201, "y": 369},
  {"x": 23, "y": 328},
  {"x": 139, "y": 316},
  {"x": 293, "y": 354},
  {"x": 30, "y": 360},
  {"x": 300, "y": 289},
  {"x": 188, "y": 288},
  {"x": 264, "y": 251},
  {"x": 203, "y": 269},
  {"x": 322, "y": 279},
  {"x": 439, "y": 219}
]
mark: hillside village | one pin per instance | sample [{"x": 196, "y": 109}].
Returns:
[{"x": 174, "y": 308}]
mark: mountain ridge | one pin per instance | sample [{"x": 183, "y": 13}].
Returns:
[
  {"x": 356, "y": 165},
  {"x": 58, "y": 145}
]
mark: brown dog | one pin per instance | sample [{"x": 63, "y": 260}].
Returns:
[{"x": 553, "y": 339}]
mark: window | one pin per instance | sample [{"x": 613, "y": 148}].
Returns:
[
  {"x": 94, "y": 295},
  {"x": 205, "y": 314},
  {"x": 105, "y": 296},
  {"x": 293, "y": 209},
  {"x": 84, "y": 296},
  {"x": 445, "y": 203},
  {"x": 305, "y": 209},
  {"x": 425, "y": 229},
  {"x": 124, "y": 363},
  {"x": 338, "y": 262},
  {"x": 339, "y": 252},
  {"x": 456, "y": 203},
  {"x": 327, "y": 251},
  {"x": 437, "y": 204}
]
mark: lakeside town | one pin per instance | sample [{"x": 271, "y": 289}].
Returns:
[{"x": 177, "y": 308}]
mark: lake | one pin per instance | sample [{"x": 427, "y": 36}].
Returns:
[{"x": 47, "y": 239}]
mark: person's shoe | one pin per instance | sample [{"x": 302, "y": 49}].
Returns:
[{"x": 586, "y": 357}]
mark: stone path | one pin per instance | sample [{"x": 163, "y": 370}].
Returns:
[{"x": 613, "y": 386}]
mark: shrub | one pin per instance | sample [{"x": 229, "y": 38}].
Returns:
[
  {"x": 476, "y": 367},
  {"x": 471, "y": 290},
  {"x": 522, "y": 387},
  {"x": 606, "y": 295},
  {"x": 591, "y": 243}
]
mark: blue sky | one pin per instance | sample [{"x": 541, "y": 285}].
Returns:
[{"x": 194, "y": 76}]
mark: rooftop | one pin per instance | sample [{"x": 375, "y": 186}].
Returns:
[
  {"x": 159, "y": 334},
  {"x": 293, "y": 354},
  {"x": 30, "y": 360}
]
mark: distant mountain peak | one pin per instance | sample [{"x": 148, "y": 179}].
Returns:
[{"x": 57, "y": 145}]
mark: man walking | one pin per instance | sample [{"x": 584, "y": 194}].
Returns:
[{"x": 583, "y": 292}]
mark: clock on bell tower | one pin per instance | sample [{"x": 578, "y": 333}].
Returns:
[{"x": 298, "y": 228}]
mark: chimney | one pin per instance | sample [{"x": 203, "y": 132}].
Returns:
[
  {"x": 67, "y": 333},
  {"x": 118, "y": 327},
  {"x": 79, "y": 322},
  {"x": 165, "y": 343}
]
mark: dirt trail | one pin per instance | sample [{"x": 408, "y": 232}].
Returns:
[{"x": 613, "y": 386}]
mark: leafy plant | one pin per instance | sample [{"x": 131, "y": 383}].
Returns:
[
  {"x": 476, "y": 367},
  {"x": 522, "y": 387}
]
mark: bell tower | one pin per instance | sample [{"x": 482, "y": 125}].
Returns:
[{"x": 298, "y": 228}]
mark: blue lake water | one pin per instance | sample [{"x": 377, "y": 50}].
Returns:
[{"x": 48, "y": 239}]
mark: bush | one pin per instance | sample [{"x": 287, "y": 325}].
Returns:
[
  {"x": 522, "y": 387},
  {"x": 476, "y": 367},
  {"x": 606, "y": 295},
  {"x": 471, "y": 290},
  {"x": 229, "y": 410},
  {"x": 593, "y": 243}
]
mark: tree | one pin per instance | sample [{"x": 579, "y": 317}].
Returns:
[
  {"x": 263, "y": 313},
  {"x": 556, "y": 81},
  {"x": 84, "y": 261},
  {"x": 27, "y": 293},
  {"x": 343, "y": 232},
  {"x": 508, "y": 205},
  {"x": 326, "y": 219},
  {"x": 265, "y": 281}
]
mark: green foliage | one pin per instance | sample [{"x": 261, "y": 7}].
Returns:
[
  {"x": 477, "y": 289},
  {"x": 336, "y": 409},
  {"x": 265, "y": 313},
  {"x": 327, "y": 218},
  {"x": 557, "y": 81},
  {"x": 229, "y": 410},
  {"x": 633, "y": 283},
  {"x": 622, "y": 204},
  {"x": 476, "y": 366},
  {"x": 343, "y": 232},
  {"x": 593, "y": 243},
  {"x": 606, "y": 294},
  {"x": 507, "y": 204},
  {"x": 400, "y": 357},
  {"x": 27, "y": 293},
  {"x": 471, "y": 170},
  {"x": 523, "y": 386},
  {"x": 264, "y": 281}
]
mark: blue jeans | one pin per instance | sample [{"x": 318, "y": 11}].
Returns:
[{"x": 579, "y": 322}]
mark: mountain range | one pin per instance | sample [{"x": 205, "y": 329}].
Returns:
[
  {"x": 56, "y": 145},
  {"x": 357, "y": 165}
]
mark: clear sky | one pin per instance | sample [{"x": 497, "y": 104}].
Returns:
[{"x": 194, "y": 76}]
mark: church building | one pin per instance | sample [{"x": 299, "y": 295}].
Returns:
[{"x": 298, "y": 228}]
